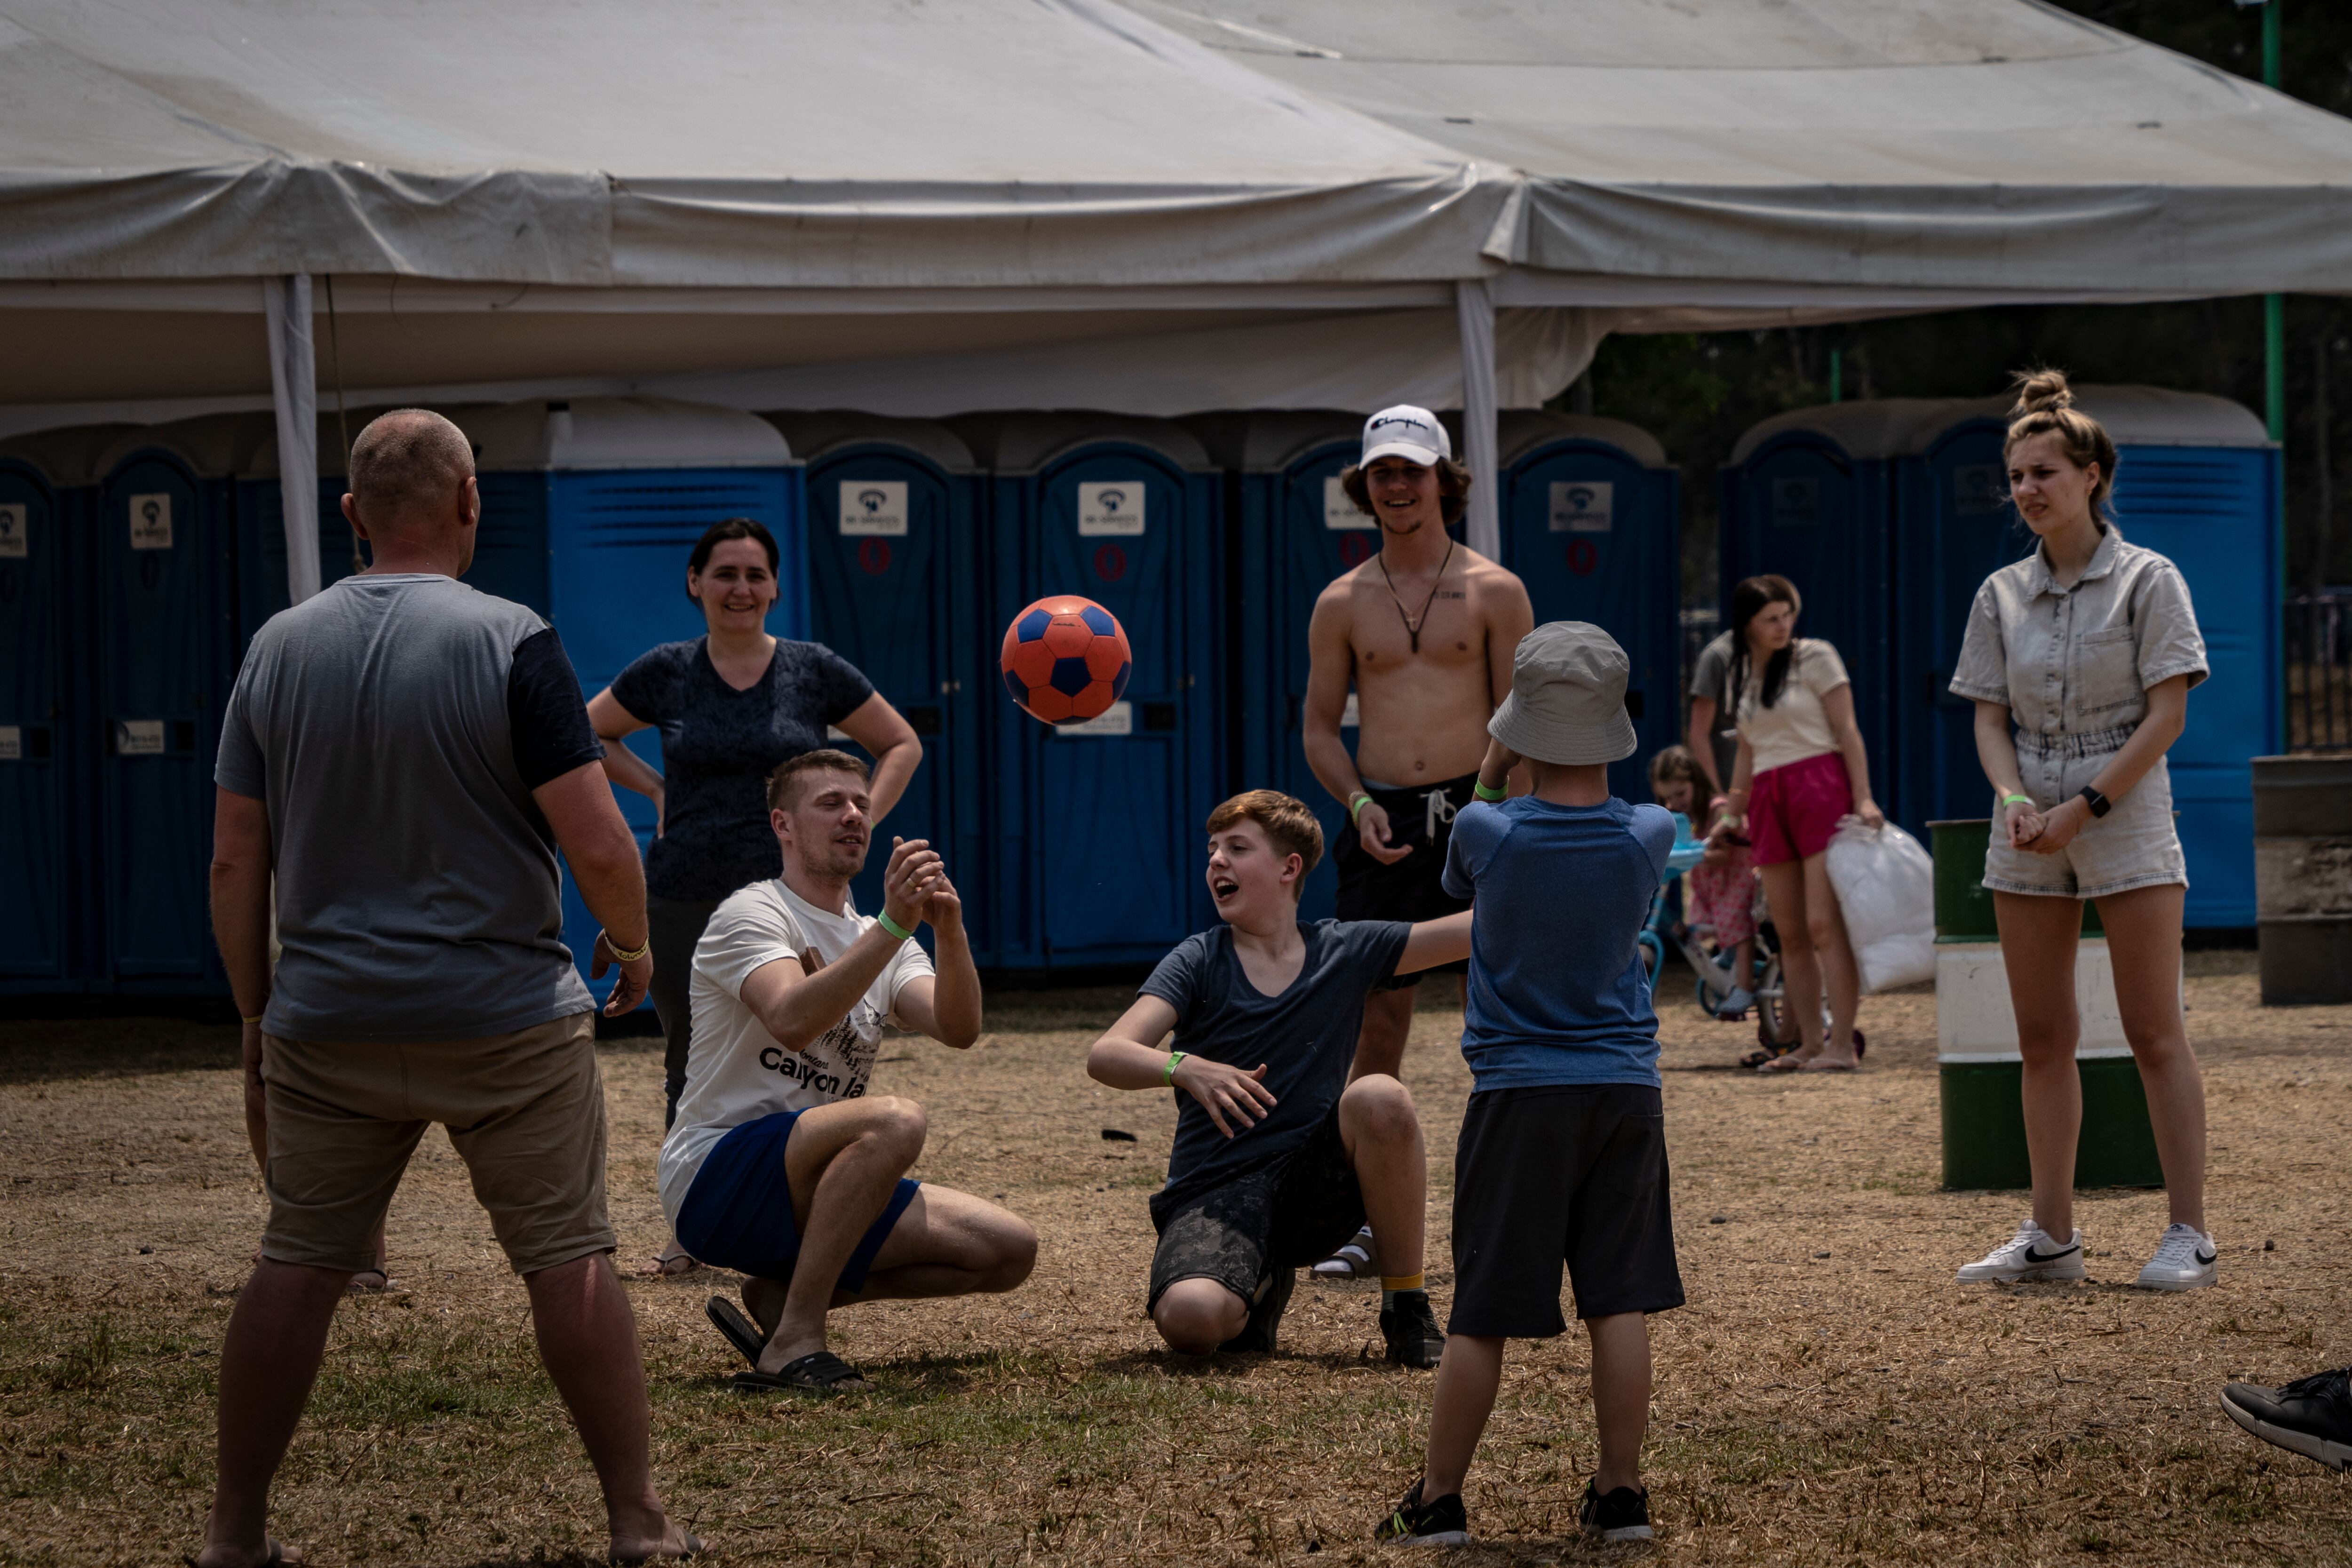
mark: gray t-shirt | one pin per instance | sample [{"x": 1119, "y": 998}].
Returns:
[
  {"x": 1711, "y": 678},
  {"x": 395, "y": 727}
]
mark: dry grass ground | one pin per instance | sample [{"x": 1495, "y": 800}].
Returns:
[{"x": 1828, "y": 1397}]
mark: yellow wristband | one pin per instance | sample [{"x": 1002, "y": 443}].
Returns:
[
  {"x": 1168, "y": 1078},
  {"x": 1356, "y": 803},
  {"x": 631, "y": 955},
  {"x": 254, "y": 1019},
  {"x": 1483, "y": 793}
]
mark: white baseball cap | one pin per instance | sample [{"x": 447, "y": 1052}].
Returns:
[{"x": 1404, "y": 431}]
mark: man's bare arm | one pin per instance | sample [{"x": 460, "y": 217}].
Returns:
[
  {"x": 1331, "y": 664},
  {"x": 1701, "y": 739},
  {"x": 240, "y": 879},
  {"x": 1510, "y": 619}
]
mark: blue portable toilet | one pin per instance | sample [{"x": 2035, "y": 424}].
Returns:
[
  {"x": 1591, "y": 514},
  {"x": 1098, "y": 825},
  {"x": 1291, "y": 530},
  {"x": 590, "y": 509},
  {"x": 895, "y": 588},
  {"x": 1810, "y": 496},
  {"x": 164, "y": 615},
  {"x": 48, "y": 506},
  {"x": 2197, "y": 480}
]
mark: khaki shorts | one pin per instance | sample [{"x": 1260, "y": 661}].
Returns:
[
  {"x": 2134, "y": 846},
  {"x": 525, "y": 1111}
]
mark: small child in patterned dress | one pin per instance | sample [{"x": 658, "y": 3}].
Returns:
[{"x": 1719, "y": 892}]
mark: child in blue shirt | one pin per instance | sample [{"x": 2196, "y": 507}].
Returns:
[{"x": 1563, "y": 1156}]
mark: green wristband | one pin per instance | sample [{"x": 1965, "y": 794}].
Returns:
[
  {"x": 1168, "y": 1078},
  {"x": 2017, "y": 800},
  {"x": 893, "y": 927},
  {"x": 1483, "y": 793},
  {"x": 1356, "y": 803}
]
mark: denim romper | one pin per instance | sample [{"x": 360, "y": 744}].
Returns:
[{"x": 2074, "y": 666}]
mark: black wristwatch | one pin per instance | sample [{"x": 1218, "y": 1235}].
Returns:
[{"x": 2100, "y": 806}]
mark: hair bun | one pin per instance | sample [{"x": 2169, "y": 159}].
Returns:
[{"x": 2039, "y": 391}]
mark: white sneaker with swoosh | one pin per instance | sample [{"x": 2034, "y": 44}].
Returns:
[
  {"x": 2030, "y": 1253},
  {"x": 2184, "y": 1260}
]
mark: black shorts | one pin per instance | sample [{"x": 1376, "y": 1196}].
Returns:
[
  {"x": 1289, "y": 1212},
  {"x": 1568, "y": 1174},
  {"x": 1414, "y": 888}
]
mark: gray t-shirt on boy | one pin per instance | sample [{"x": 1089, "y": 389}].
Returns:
[{"x": 395, "y": 726}]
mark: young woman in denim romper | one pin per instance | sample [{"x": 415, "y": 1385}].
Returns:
[{"x": 2079, "y": 659}]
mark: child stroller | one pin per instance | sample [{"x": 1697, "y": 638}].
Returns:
[{"x": 1776, "y": 1028}]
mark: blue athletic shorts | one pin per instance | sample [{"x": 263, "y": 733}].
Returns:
[{"x": 739, "y": 1212}]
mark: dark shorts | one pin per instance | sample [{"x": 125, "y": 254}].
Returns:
[
  {"x": 739, "y": 1212},
  {"x": 1571, "y": 1173},
  {"x": 1412, "y": 889},
  {"x": 1285, "y": 1214}
]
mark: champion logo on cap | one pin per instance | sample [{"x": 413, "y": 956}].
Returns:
[{"x": 1407, "y": 432}]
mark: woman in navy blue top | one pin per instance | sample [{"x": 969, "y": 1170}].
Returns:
[{"x": 730, "y": 705}]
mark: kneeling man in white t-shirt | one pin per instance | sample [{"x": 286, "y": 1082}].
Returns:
[{"x": 780, "y": 1165}]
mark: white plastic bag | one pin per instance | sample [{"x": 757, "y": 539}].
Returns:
[{"x": 1886, "y": 885}]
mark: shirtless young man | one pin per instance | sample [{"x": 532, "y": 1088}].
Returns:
[{"x": 1424, "y": 631}]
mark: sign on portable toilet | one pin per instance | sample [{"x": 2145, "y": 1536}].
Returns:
[
  {"x": 1100, "y": 825},
  {"x": 606, "y": 498},
  {"x": 162, "y": 577},
  {"x": 2197, "y": 480},
  {"x": 1293, "y": 529},
  {"x": 1591, "y": 523},
  {"x": 48, "y": 500},
  {"x": 1810, "y": 496},
  {"x": 895, "y": 588}
]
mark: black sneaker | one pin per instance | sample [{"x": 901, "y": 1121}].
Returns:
[
  {"x": 1257, "y": 1337},
  {"x": 2312, "y": 1416},
  {"x": 1419, "y": 1523},
  {"x": 1411, "y": 1329},
  {"x": 1623, "y": 1515}
]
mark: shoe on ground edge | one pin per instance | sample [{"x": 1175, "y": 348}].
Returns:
[
  {"x": 1623, "y": 1515},
  {"x": 2311, "y": 1416},
  {"x": 1736, "y": 1007},
  {"x": 1257, "y": 1335},
  {"x": 1411, "y": 1332},
  {"x": 2184, "y": 1260},
  {"x": 1419, "y": 1523},
  {"x": 2030, "y": 1253}
]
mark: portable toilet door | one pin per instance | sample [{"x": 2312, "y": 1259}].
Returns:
[
  {"x": 1293, "y": 529},
  {"x": 1810, "y": 496},
  {"x": 2198, "y": 481},
  {"x": 620, "y": 488},
  {"x": 163, "y": 581},
  {"x": 893, "y": 563},
  {"x": 1099, "y": 824},
  {"x": 1591, "y": 524}
]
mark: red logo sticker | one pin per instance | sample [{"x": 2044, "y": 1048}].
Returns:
[
  {"x": 1355, "y": 549},
  {"x": 1583, "y": 556},
  {"x": 1111, "y": 563},
  {"x": 873, "y": 555}
]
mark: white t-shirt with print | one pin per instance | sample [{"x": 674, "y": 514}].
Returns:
[
  {"x": 736, "y": 1071},
  {"x": 1798, "y": 725}
]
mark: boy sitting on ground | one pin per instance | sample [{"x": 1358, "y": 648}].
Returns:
[
  {"x": 780, "y": 1164},
  {"x": 1278, "y": 1162},
  {"x": 1563, "y": 1152}
]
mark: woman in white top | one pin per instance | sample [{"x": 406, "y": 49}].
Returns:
[
  {"x": 1802, "y": 768},
  {"x": 2079, "y": 659}
]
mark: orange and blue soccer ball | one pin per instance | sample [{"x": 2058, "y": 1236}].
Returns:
[{"x": 1065, "y": 658}]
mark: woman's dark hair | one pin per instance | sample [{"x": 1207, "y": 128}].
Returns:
[
  {"x": 1747, "y": 602},
  {"x": 1453, "y": 491},
  {"x": 719, "y": 533}
]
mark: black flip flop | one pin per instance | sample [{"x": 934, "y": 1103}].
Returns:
[
  {"x": 820, "y": 1371},
  {"x": 693, "y": 1548},
  {"x": 741, "y": 1331}
]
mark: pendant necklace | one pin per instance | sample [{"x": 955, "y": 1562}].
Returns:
[{"x": 1412, "y": 625}]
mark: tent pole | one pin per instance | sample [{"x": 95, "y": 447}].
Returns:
[
  {"x": 294, "y": 390},
  {"x": 1475, "y": 307}
]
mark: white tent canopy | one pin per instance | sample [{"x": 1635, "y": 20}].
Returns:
[{"x": 1160, "y": 207}]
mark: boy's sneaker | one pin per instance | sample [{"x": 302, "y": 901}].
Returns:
[
  {"x": 1623, "y": 1515},
  {"x": 1257, "y": 1337},
  {"x": 2030, "y": 1253},
  {"x": 1419, "y": 1523},
  {"x": 2312, "y": 1416},
  {"x": 1411, "y": 1329},
  {"x": 2184, "y": 1260}
]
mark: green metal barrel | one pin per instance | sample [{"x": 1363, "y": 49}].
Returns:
[
  {"x": 1984, "y": 1123},
  {"x": 1963, "y": 908}
]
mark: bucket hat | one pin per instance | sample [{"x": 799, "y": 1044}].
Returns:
[{"x": 1567, "y": 704}]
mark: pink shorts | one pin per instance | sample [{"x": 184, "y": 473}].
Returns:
[{"x": 1792, "y": 811}]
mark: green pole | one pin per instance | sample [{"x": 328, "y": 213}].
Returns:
[{"x": 1837, "y": 377}]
